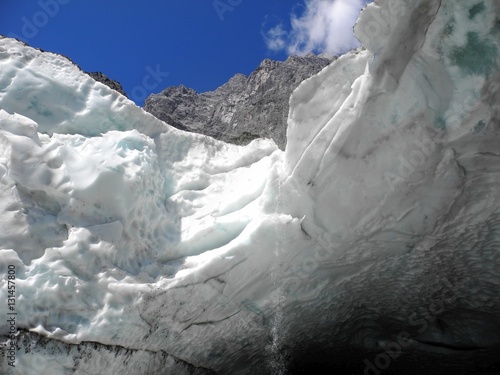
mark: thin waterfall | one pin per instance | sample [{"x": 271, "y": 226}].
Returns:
[{"x": 276, "y": 359}]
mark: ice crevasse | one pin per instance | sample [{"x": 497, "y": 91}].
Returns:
[{"x": 140, "y": 248}]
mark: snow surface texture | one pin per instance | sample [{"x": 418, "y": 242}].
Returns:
[{"x": 140, "y": 248}]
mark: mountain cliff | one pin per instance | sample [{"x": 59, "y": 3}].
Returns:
[
  {"x": 103, "y": 78},
  {"x": 244, "y": 108}
]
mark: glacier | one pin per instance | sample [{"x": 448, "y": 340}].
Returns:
[{"x": 370, "y": 245}]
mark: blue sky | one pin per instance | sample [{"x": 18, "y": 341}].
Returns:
[{"x": 197, "y": 43}]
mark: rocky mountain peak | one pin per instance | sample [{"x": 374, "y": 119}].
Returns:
[
  {"x": 180, "y": 90},
  {"x": 103, "y": 78},
  {"x": 242, "y": 109}
]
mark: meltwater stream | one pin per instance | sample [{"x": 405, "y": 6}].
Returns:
[{"x": 276, "y": 360}]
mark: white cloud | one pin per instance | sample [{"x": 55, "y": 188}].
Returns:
[
  {"x": 276, "y": 38},
  {"x": 325, "y": 26}
]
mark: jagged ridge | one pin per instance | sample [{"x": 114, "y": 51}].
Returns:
[
  {"x": 103, "y": 78},
  {"x": 242, "y": 109}
]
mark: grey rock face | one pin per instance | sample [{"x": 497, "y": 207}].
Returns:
[
  {"x": 242, "y": 109},
  {"x": 101, "y": 77}
]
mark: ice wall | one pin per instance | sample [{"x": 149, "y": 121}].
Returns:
[
  {"x": 399, "y": 128},
  {"x": 393, "y": 151},
  {"x": 205, "y": 256},
  {"x": 103, "y": 205}
]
